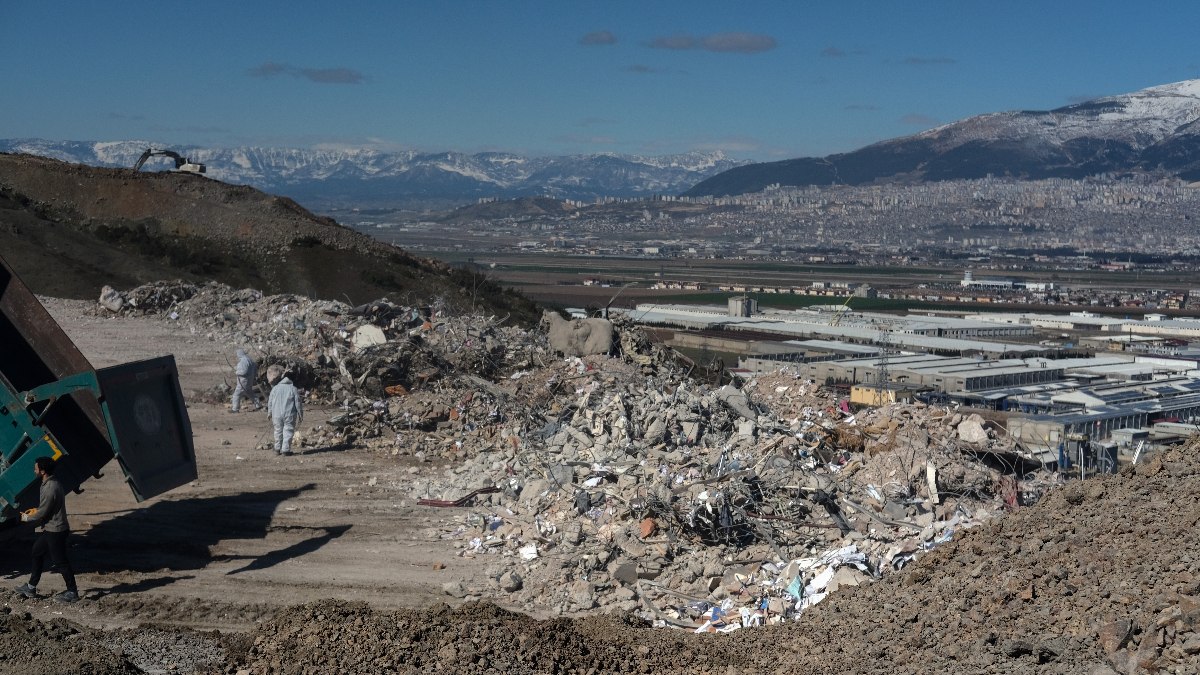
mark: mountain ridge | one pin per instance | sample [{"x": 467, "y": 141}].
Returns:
[
  {"x": 369, "y": 177},
  {"x": 1156, "y": 129}
]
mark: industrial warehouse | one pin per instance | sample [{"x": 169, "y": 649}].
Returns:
[{"x": 1121, "y": 384}]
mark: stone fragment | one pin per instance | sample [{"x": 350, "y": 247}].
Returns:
[
  {"x": 111, "y": 299},
  {"x": 971, "y": 431},
  {"x": 846, "y": 576},
  {"x": 582, "y": 595},
  {"x": 511, "y": 582},
  {"x": 623, "y": 593},
  {"x": 578, "y": 337},
  {"x": 626, "y": 573},
  {"x": 1191, "y": 644},
  {"x": 1114, "y": 634},
  {"x": 572, "y": 533}
]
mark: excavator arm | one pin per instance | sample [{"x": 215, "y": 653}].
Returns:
[
  {"x": 142, "y": 160},
  {"x": 181, "y": 163}
]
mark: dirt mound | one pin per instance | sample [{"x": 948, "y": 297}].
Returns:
[
  {"x": 32, "y": 647},
  {"x": 1097, "y": 578},
  {"x": 68, "y": 229},
  {"x": 343, "y": 637}
]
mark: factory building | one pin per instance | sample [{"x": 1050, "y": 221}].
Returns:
[
  {"x": 1187, "y": 328},
  {"x": 1041, "y": 435},
  {"x": 905, "y": 332},
  {"x": 884, "y": 358},
  {"x": 951, "y": 375}
]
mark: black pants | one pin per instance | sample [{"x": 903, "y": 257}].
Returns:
[{"x": 53, "y": 544}]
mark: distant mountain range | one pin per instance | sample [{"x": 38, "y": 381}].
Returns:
[
  {"x": 1155, "y": 129},
  {"x": 372, "y": 178}
]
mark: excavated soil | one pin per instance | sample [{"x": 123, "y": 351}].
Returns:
[
  {"x": 54, "y": 647},
  {"x": 321, "y": 564},
  {"x": 1099, "y": 577}
]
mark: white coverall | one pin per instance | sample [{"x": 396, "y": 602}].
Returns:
[
  {"x": 286, "y": 412},
  {"x": 247, "y": 374}
]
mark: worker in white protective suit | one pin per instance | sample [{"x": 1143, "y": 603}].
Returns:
[
  {"x": 285, "y": 408},
  {"x": 247, "y": 376}
]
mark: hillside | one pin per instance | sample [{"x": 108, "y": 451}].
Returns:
[
  {"x": 524, "y": 207},
  {"x": 69, "y": 229}
]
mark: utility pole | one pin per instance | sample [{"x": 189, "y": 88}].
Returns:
[{"x": 882, "y": 380}]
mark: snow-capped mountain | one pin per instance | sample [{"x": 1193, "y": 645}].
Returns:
[
  {"x": 366, "y": 176},
  {"x": 1154, "y": 129}
]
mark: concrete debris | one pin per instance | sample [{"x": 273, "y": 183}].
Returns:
[
  {"x": 578, "y": 337},
  {"x": 971, "y": 430},
  {"x": 610, "y": 476},
  {"x": 111, "y": 299}
]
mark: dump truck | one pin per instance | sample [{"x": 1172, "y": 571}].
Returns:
[{"x": 54, "y": 404}]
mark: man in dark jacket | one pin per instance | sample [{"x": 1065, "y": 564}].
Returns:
[{"x": 51, "y": 516}]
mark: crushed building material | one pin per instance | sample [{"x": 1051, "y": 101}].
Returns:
[
  {"x": 578, "y": 337},
  {"x": 615, "y": 480},
  {"x": 869, "y": 540},
  {"x": 1098, "y": 577}
]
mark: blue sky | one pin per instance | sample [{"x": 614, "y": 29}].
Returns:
[{"x": 760, "y": 80}]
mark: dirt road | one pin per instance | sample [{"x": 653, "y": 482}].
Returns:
[{"x": 256, "y": 532}]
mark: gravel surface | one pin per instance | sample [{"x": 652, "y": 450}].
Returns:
[{"x": 159, "y": 650}]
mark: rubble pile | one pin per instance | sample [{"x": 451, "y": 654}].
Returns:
[
  {"x": 1098, "y": 577},
  {"x": 352, "y": 356},
  {"x": 704, "y": 508},
  {"x": 907, "y": 537},
  {"x": 147, "y": 298},
  {"x": 619, "y": 482}
]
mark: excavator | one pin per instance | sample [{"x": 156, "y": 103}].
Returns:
[{"x": 181, "y": 163}]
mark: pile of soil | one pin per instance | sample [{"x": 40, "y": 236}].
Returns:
[{"x": 58, "y": 647}]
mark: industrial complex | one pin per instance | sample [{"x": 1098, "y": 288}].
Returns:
[{"x": 1066, "y": 387}]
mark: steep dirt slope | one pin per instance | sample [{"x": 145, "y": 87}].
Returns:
[{"x": 67, "y": 229}]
